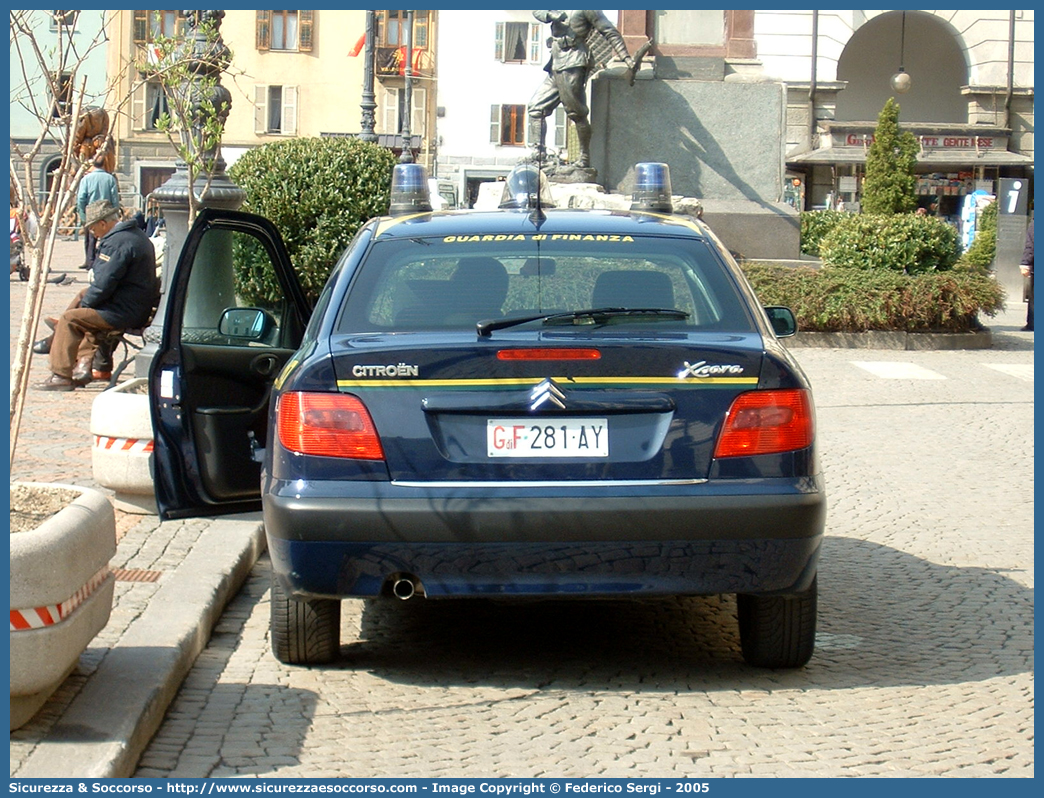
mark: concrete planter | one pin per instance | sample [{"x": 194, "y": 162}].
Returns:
[
  {"x": 122, "y": 452},
  {"x": 61, "y": 595}
]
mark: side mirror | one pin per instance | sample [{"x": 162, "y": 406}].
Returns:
[
  {"x": 783, "y": 322},
  {"x": 251, "y": 324}
]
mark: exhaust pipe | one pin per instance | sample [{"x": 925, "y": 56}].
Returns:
[{"x": 404, "y": 588}]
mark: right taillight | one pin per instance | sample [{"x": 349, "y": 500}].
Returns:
[
  {"x": 767, "y": 422},
  {"x": 328, "y": 425}
]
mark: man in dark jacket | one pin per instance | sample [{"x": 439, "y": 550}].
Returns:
[
  {"x": 123, "y": 294},
  {"x": 1026, "y": 267}
]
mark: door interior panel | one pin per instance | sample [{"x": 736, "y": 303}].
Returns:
[{"x": 227, "y": 403}]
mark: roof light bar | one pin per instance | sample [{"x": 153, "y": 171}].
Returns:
[
  {"x": 652, "y": 188},
  {"x": 409, "y": 190}
]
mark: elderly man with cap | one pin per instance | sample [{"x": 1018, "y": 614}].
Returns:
[{"x": 123, "y": 294}]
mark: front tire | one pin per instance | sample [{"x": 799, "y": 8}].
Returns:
[
  {"x": 778, "y": 631},
  {"x": 304, "y": 632}
]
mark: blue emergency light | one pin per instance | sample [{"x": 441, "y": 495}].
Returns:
[
  {"x": 409, "y": 190},
  {"x": 526, "y": 188},
  {"x": 652, "y": 188}
]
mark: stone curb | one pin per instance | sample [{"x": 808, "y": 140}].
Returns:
[
  {"x": 107, "y": 727},
  {"x": 893, "y": 340}
]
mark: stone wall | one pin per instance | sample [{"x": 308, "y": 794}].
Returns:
[{"x": 724, "y": 142}]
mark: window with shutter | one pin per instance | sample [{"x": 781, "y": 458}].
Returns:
[
  {"x": 260, "y": 109},
  {"x": 307, "y": 31},
  {"x": 148, "y": 104},
  {"x": 516, "y": 42},
  {"x": 63, "y": 19},
  {"x": 560, "y": 128},
  {"x": 138, "y": 107},
  {"x": 148, "y": 26},
  {"x": 141, "y": 27},
  {"x": 390, "y": 112},
  {"x": 512, "y": 125},
  {"x": 494, "y": 124},
  {"x": 536, "y": 48},
  {"x": 391, "y": 28},
  {"x": 264, "y": 24},
  {"x": 288, "y": 122},
  {"x": 418, "y": 115},
  {"x": 498, "y": 42},
  {"x": 61, "y": 88}
]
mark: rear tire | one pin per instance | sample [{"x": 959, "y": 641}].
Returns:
[
  {"x": 778, "y": 631},
  {"x": 304, "y": 632}
]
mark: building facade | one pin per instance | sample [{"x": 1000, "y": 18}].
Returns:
[
  {"x": 767, "y": 106},
  {"x": 490, "y": 64},
  {"x": 293, "y": 73},
  {"x": 970, "y": 101}
]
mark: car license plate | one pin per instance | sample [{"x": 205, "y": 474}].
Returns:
[{"x": 574, "y": 437}]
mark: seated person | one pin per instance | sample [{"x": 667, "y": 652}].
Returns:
[{"x": 122, "y": 295}]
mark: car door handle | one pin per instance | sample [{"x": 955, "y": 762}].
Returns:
[{"x": 265, "y": 365}]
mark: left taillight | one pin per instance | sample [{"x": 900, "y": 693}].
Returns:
[
  {"x": 328, "y": 425},
  {"x": 767, "y": 422}
]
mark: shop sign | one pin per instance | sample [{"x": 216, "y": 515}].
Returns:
[{"x": 932, "y": 142}]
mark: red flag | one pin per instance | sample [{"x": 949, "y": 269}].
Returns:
[{"x": 358, "y": 46}]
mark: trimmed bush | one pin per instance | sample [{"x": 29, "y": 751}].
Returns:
[
  {"x": 983, "y": 247},
  {"x": 814, "y": 227},
  {"x": 318, "y": 192},
  {"x": 901, "y": 243},
  {"x": 890, "y": 182},
  {"x": 847, "y": 300}
]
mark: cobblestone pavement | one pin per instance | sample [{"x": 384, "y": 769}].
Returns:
[
  {"x": 54, "y": 445},
  {"x": 924, "y": 662}
]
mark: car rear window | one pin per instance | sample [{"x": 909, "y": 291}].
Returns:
[{"x": 451, "y": 283}]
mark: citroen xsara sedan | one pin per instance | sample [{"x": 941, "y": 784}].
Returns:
[{"x": 527, "y": 402}]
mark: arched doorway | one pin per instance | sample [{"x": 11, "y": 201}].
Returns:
[{"x": 932, "y": 57}]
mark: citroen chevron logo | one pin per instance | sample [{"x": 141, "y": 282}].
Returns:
[{"x": 545, "y": 392}]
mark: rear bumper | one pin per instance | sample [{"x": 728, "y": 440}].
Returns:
[{"x": 757, "y": 536}]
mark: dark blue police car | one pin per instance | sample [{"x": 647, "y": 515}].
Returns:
[{"x": 531, "y": 402}]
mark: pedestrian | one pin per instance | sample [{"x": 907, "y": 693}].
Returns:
[
  {"x": 153, "y": 221},
  {"x": 97, "y": 184},
  {"x": 1026, "y": 267},
  {"x": 123, "y": 294},
  {"x": 568, "y": 69}
]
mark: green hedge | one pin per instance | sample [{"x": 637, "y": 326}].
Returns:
[
  {"x": 318, "y": 192},
  {"x": 901, "y": 242},
  {"x": 814, "y": 227},
  {"x": 849, "y": 300}
]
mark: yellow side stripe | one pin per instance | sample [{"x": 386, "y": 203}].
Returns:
[{"x": 562, "y": 381}]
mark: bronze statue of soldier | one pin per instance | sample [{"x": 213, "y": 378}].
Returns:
[{"x": 581, "y": 42}]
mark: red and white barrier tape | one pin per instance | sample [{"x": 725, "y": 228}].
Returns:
[
  {"x": 129, "y": 445},
  {"x": 39, "y": 617}
]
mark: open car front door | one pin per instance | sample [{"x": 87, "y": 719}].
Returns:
[{"x": 235, "y": 314}]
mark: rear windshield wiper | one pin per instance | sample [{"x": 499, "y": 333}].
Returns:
[{"x": 580, "y": 317}]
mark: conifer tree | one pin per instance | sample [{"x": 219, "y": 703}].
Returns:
[{"x": 890, "y": 184}]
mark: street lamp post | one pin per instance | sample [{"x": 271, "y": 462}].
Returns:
[
  {"x": 369, "y": 102},
  {"x": 173, "y": 195},
  {"x": 407, "y": 144}
]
